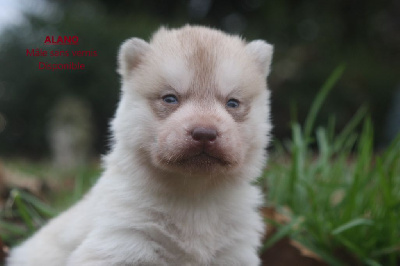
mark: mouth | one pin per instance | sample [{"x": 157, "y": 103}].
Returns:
[
  {"x": 196, "y": 159},
  {"x": 202, "y": 160}
]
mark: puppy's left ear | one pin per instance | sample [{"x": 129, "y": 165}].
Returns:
[
  {"x": 262, "y": 53},
  {"x": 131, "y": 55}
]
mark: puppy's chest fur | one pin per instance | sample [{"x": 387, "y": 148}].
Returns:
[
  {"x": 189, "y": 233},
  {"x": 178, "y": 231},
  {"x": 194, "y": 238}
]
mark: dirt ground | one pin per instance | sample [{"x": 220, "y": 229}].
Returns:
[{"x": 285, "y": 252}]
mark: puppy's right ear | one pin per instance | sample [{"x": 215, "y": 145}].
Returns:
[
  {"x": 262, "y": 52},
  {"x": 130, "y": 55}
]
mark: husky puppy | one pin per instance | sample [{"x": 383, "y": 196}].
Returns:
[{"x": 190, "y": 134}]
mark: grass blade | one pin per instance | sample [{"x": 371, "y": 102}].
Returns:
[
  {"x": 22, "y": 209},
  {"x": 352, "y": 224},
  {"x": 282, "y": 232},
  {"x": 317, "y": 103}
]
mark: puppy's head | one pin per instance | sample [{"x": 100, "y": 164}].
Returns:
[{"x": 194, "y": 101}]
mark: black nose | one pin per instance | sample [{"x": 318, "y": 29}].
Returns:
[{"x": 204, "y": 134}]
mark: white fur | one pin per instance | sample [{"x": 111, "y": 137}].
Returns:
[
  {"x": 262, "y": 52},
  {"x": 143, "y": 211}
]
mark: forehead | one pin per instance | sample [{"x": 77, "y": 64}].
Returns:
[
  {"x": 202, "y": 62},
  {"x": 202, "y": 74}
]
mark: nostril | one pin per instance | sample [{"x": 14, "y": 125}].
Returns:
[{"x": 204, "y": 134}]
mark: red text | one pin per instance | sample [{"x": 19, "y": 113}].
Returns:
[{"x": 60, "y": 40}]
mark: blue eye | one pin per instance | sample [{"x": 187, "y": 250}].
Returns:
[
  {"x": 232, "y": 103},
  {"x": 170, "y": 98}
]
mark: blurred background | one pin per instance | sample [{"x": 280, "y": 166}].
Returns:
[{"x": 65, "y": 112}]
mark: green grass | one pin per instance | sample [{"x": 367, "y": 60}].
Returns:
[
  {"x": 24, "y": 213},
  {"x": 342, "y": 198}
]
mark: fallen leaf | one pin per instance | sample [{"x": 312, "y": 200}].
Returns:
[
  {"x": 285, "y": 251},
  {"x": 304, "y": 250}
]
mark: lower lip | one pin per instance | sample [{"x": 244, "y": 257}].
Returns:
[{"x": 203, "y": 160}]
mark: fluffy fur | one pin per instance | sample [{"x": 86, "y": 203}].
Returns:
[{"x": 169, "y": 196}]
